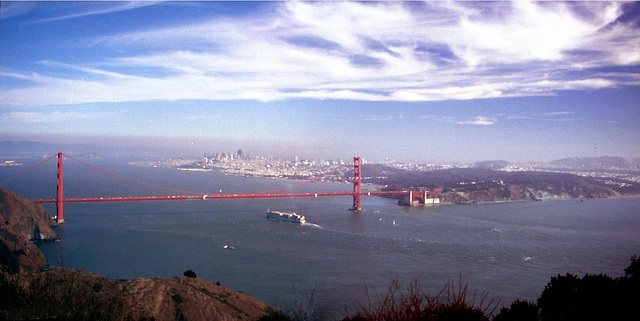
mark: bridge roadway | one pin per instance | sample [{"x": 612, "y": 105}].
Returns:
[{"x": 211, "y": 197}]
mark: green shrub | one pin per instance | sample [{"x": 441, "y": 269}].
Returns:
[
  {"x": 177, "y": 299},
  {"x": 97, "y": 287},
  {"x": 518, "y": 311},
  {"x": 634, "y": 268},
  {"x": 189, "y": 274},
  {"x": 8, "y": 259},
  {"x": 275, "y": 316},
  {"x": 592, "y": 297},
  {"x": 559, "y": 297}
]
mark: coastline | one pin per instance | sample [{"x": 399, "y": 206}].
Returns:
[{"x": 563, "y": 199}]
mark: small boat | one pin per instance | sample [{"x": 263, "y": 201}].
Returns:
[
  {"x": 228, "y": 247},
  {"x": 286, "y": 216}
]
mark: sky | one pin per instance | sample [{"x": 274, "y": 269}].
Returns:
[{"x": 433, "y": 81}]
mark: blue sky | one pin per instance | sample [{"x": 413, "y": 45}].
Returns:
[{"x": 417, "y": 81}]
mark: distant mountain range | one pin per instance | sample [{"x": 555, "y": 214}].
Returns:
[
  {"x": 19, "y": 149},
  {"x": 23, "y": 148},
  {"x": 596, "y": 163},
  {"x": 573, "y": 163}
]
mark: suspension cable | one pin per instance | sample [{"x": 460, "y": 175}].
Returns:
[
  {"x": 386, "y": 179},
  {"x": 133, "y": 180},
  {"x": 305, "y": 182},
  {"x": 27, "y": 170},
  {"x": 312, "y": 179}
]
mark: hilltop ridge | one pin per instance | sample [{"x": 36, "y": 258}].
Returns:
[
  {"x": 482, "y": 185},
  {"x": 594, "y": 163}
]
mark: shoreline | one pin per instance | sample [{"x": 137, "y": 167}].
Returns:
[{"x": 541, "y": 200}]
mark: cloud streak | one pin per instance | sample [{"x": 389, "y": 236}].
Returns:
[
  {"x": 479, "y": 120},
  {"x": 45, "y": 117},
  {"x": 98, "y": 9},
  {"x": 380, "y": 51},
  {"x": 12, "y": 9}
]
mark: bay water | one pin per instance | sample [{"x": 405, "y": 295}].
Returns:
[{"x": 339, "y": 259}]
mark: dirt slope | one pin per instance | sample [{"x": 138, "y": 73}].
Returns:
[{"x": 69, "y": 294}]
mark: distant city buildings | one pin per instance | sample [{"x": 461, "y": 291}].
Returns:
[
  {"x": 223, "y": 156},
  {"x": 240, "y": 163}
]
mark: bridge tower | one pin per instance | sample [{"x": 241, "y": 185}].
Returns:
[
  {"x": 59, "y": 194},
  {"x": 357, "y": 187}
]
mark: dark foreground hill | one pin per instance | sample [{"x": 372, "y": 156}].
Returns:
[{"x": 30, "y": 291}]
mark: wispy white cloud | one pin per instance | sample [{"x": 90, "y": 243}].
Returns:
[
  {"x": 562, "y": 116},
  {"x": 98, "y": 8},
  {"x": 383, "y": 118},
  {"x": 478, "y": 120},
  {"x": 45, "y": 117},
  {"x": 554, "y": 116},
  {"x": 10, "y": 9},
  {"x": 518, "y": 117},
  {"x": 558, "y": 113},
  {"x": 377, "y": 51}
]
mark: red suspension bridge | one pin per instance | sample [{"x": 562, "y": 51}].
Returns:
[{"x": 60, "y": 200}]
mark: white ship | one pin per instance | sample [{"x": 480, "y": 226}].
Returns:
[{"x": 286, "y": 216}]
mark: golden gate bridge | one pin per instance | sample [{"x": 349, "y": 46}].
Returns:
[{"x": 60, "y": 200}]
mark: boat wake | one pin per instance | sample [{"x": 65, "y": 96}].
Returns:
[{"x": 312, "y": 225}]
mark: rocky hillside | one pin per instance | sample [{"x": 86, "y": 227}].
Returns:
[
  {"x": 480, "y": 185},
  {"x": 516, "y": 193},
  {"x": 19, "y": 218},
  {"x": 530, "y": 186},
  {"x": 28, "y": 293}
]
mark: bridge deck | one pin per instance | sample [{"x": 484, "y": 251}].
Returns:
[{"x": 212, "y": 197}]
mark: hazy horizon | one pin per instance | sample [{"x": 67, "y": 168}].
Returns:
[
  {"x": 158, "y": 148},
  {"x": 427, "y": 81}
]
